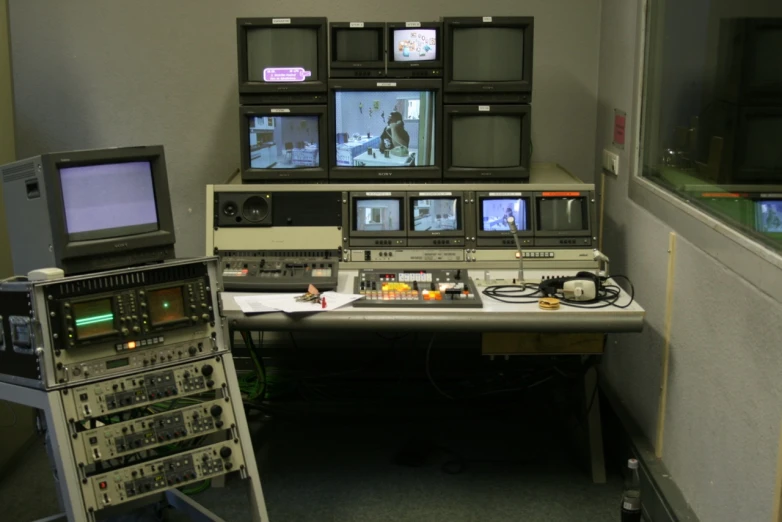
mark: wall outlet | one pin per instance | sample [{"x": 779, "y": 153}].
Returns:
[{"x": 611, "y": 162}]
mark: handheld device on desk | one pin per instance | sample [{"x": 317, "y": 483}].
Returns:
[{"x": 416, "y": 288}]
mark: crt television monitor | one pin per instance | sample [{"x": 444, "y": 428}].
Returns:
[
  {"x": 563, "y": 218},
  {"x": 488, "y": 54},
  {"x": 377, "y": 218},
  {"x": 415, "y": 49},
  {"x": 487, "y": 142},
  {"x": 282, "y": 55},
  {"x": 494, "y": 209},
  {"x": 90, "y": 210},
  {"x": 385, "y": 130},
  {"x": 284, "y": 143},
  {"x": 357, "y": 49},
  {"x": 436, "y": 214}
]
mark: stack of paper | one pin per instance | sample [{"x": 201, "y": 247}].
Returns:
[{"x": 263, "y": 303}]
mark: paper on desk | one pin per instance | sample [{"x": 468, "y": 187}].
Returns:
[{"x": 262, "y": 303}]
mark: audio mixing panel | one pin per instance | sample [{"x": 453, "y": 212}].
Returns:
[{"x": 416, "y": 288}]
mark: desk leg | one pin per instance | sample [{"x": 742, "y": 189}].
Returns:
[{"x": 594, "y": 427}]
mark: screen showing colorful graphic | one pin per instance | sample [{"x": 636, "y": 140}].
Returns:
[
  {"x": 415, "y": 45},
  {"x": 284, "y": 142},
  {"x": 385, "y": 128},
  {"x": 495, "y": 214},
  {"x": 377, "y": 215},
  {"x": 768, "y": 216},
  {"x": 436, "y": 214}
]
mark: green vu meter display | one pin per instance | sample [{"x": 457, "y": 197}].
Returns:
[{"x": 93, "y": 318}]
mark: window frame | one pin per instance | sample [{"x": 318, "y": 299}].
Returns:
[{"x": 757, "y": 263}]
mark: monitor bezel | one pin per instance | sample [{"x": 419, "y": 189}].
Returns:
[
  {"x": 378, "y": 194},
  {"x": 521, "y": 172},
  {"x": 368, "y": 65},
  {"x": 437, "y": 63},
  {"x": 527, "y": 23},
  {"x": 554, "y": 194},
  {"x": 436, "y": 194},
  {"x": 480, "y": 197},
  {"x": 250, "y": 174},
  {"x": 68, "y": 248},
  {"x": 386, "y": 173},
  {"x": 253, "y": 87}
]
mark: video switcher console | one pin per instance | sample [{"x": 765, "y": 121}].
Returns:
[{"x": 416, "y": 288}]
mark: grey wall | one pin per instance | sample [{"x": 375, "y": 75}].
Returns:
[
  {"x": 723, "y": 416},
  {"x": 90, "y": 73}
]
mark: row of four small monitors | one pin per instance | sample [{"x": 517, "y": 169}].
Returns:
[{"x": 443, "y": 215}]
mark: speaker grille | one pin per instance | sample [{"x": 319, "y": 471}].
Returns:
[{"x": 15, "y": 172}]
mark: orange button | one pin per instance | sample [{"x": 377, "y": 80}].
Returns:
[{"x": 131, "y": 345}]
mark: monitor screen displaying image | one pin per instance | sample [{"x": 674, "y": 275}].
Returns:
[
  {"x": 108, "y": 200},
  {"x": 768, "y": 216},
  {"x": 491, "y": 141},
  {"x": 385, "y": 128},
  {"x": 284, "y": 142},
  {"x": 357, "y": 45},
  {"x": 495, "y": 214},
  {"x": 436, "y": 214},
  {"x": 414, "y": 45},
  {"x": 562, "y": 214},
  {"x": 282, "y": 54},
  {"x": 377, "y": 215},
  {"x": 488, "y": 54}
]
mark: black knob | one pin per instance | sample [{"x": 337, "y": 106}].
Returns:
[
  {"x": 216, "y": 410},
  {"x": 210, "y": 383},
  {"x": 191, "y": 350},
  {"x": 225, "y": 452},
  {"x": 219, "y": 424},
  {"x": 207, "y": 370},
  {"x": 186, "y": 375}
]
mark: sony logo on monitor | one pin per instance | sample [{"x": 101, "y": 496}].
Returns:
[
  {"x": 487, "y": 87},
  {"x": 435, "y": 233},
  {"x": 385, "y": 173},
  {"x": 485, "y": 173},
  {"x": 120, "y": 245},
  {"x": 282, "y": 88}
]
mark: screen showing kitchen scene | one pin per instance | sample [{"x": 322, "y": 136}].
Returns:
[
  {"x": 282, "y": 54},
  {"x": 284, "y": 142},
  {"x": 385, "y": 128},
  {"x": 488, "y": 54},
  {"x": 768, "y": 216},
  {"x": 415, "y": 45},
  {"x": 495, "y": 214},
  {"x": 377, "y": 215},
  {"x": 486, "y": 141},
  {"x": 436, "y": 214}
]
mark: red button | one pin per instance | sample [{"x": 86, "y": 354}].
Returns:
[{"x": 103, "y": 485}]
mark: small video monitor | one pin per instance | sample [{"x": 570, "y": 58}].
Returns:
[
  {"x": 378, "y": 215},
  {"x": 563, "y": 214},
  {"x": 436, "y": 214},
  {"x": 388, "y": 133},
  {"x": 357, "y": 49},
  {"x": 495, "y": 212},
  {"x": 108, "y": 200},
  {"x": 414, "y": 45},
  {"x": 768, "y": 216}
]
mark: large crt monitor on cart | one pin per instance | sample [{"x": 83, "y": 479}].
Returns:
[{"x": 91, "y": 210}]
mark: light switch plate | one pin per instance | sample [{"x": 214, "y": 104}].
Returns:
[{"x": 611, "y": 162}]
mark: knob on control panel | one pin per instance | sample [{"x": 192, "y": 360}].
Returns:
[
  {"x": 207, "y": 370},
  {"x": 225, "y": 452},
  {"x": 216, "y": 410}
]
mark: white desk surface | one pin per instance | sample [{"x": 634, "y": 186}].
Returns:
[{"x": 495, "y": 316}]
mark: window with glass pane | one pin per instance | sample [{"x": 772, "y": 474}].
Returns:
[{"x": 712, "y": 114}]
